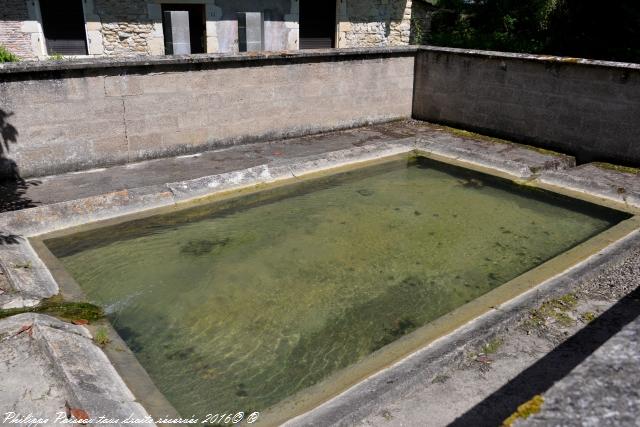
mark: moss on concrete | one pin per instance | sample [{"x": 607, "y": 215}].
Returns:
[
  {"x": 525, "y": 410},
  {"x": 56, "y": 307},
  {"x": 492, "y": 346},
  {"x": 556, "y": 309},
  {"x": 101, "y": 337},
  {"x": 617, "y": 168},
  {"x": 473, "y": 135},
  {"x": 588, "y": 316}
]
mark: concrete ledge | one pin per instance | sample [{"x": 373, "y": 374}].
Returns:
[
  {"x": 63, "y": 366},
  {"x": 515, "y": 159},
  {"x": 238, "y": 59},
  {"x": 604, "y": 390},
  {"x": 592, "y": 178},
  {"x": 28, "y": 278},
  {"x": 549, "y": 59}
]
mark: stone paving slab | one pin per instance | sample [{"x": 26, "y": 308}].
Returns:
[
  {"x": 56, "y": 363},
  {"x": 79, "y": 185},
  {"x": 596, "y": 179},
  {"x": 602, "y": 391},
  {"x": 514, "y": 159}
]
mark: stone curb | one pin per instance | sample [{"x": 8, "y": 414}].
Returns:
[{"x": 71, "y": 364}]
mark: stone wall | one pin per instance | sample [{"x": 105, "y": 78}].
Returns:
[
  {"x": 590, "y": 109},
  {"x": 13, "y": 17},
  {"x": 77, "y": 115},
  {"x": 374, "y": 22},
  {"x": 125, "y": 26}
]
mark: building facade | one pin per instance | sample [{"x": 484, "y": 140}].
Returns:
[{"x": 37, "y": 29}]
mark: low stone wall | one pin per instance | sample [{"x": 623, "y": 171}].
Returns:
[
  {"x": 590, "y": 109},
  {"x": 83, "y": 114}
]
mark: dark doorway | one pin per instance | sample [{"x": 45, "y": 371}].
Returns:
[
  {"x": 63, "y": 27},
  {"x": 317, "y": 24},
  {"x": 197, "y": 24}
]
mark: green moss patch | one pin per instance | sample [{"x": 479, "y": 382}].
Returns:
[
  {"x": 556, "y": 309},
  {"x": 492, "y": 346},
  {"x": 477, "y": 136},
  {"x": 68, "y": 311},
  {"x": 618, "y": 168},
  {"x": 588, "y": 316}
]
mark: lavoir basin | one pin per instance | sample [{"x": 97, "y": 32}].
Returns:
[{"x": 244, "y": 302}]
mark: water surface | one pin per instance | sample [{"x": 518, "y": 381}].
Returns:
[{"x": 240, "y": 304}]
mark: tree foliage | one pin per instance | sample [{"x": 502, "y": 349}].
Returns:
[{"x": 582, "y": 28}]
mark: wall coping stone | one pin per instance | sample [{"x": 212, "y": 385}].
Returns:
[
  {"x": 491, "y": 54},
  {"x": 252, "y": 57},
  {"x": 218, "y": 58}
]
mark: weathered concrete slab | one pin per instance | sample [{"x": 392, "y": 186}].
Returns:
[
  {"x": 27, "y": 279},
  {"x": 53, "y": 363},
  {"x": 519, "y": 160},
  {"x": 602, "y": 180},
  {"x": 604, "y": 390},
  {"x": 80, "y": 185}
]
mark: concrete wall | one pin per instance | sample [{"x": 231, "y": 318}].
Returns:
[
  {"x": 587, "y": 108},
  {"x": 86, "y": 114}
]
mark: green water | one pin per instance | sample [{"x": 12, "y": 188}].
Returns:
[{"x": 237, "y": 305}]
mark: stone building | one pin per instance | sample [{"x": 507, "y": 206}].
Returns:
[{"x": 36, "y": 29}]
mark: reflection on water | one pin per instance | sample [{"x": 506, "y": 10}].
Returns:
[{"x": 236, "y": 307}]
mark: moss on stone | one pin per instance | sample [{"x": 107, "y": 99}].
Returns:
[
  {"x": 557, "y": 309},
  {"x": 617, "y": 168},
  {"x": 492, "y": 346},
  {"x": 64, "y": 310},
  {"x": 473, "y": 135},
  {"x": 588, "y": 316},
  {"x": 525, "y": 410},
  {"x": 101, "y": 337}
]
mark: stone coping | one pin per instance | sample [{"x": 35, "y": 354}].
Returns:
[
  {"x": 48, "y": 364},
  {"x": 550, "y": 59},
  {"x": 238, "y": 59},
  {"x": 255, "y": 58}
]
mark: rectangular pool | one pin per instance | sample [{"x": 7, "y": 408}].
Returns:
[{"x": 239, "y": 304}]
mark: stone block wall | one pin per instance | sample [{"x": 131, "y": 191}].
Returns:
[
  {"x": 14, "y": 17},
  {"x": 590, "y": 109},
  {"x": 368, "y": 23},
  {"x": 103, "y": 114},
  {"x": 126, "y": 27}
]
